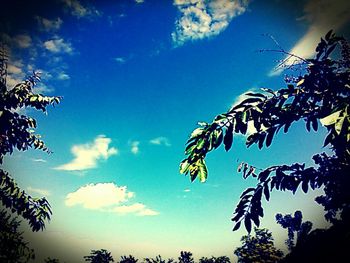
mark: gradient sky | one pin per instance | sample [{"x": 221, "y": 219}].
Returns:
[{"x": 136, "y": 77}]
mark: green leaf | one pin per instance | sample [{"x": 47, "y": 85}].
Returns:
[
  {"x": 217, "y": 138},
  {"x": 256, "y": 95},
  {"x": 263, "y": 175},
  {"x": 184, "y": 165},
  {"x": 197, "y": 132},
  {"x": 266, "y": 191},
  {"x": 314, "y": 124},
  {"x": 305, "y": 185},
  {"x": 270, "y": 135},
  {"x": 250, "y": 101},
  {"x": 228, "y": 139},
  {"x": 331, "y": 118},
  {"x": 202, "y": 170},
  {"x": 246, "y": 191},
  {"x": 339, "y": 124},
  {"x": 261, "y": 139},
  {"x": 248, "y": 223},
  {"x": 328, "y": 35},
  {"x": 237, "y": 226}
]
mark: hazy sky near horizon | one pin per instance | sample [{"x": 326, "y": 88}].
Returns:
[{"x": 136, "y": 76}]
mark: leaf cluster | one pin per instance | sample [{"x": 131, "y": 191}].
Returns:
[
  {"x": 99, "y": 256},
  {"x": 35, "y": 210},
  {"x": 13, "y": 248},
  {"x": 221, "y": 259},
  {"x": 294, "y": 224},
  {"x": 17, "y": 131},
  {"x": 321, "y": 95},
  {"x": 258, "y": 248}
]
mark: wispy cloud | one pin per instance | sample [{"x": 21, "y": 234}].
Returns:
[
  {"x": 201, "y": 19},
  {"x": 15, "y": 72},
  {"x": 107, "y": 197},
  {"x": 138, "y": 209},
  {"x": 63, "y": 76},
  {"x": 42, "y": 192},
  {"x": 77, "y": 9},
  {"x": 120, "y": 60},
  {"x": 135, "y": 149},
  {"x": 23, "y": 41},
  {"x": 139, "y": 1},
  {"x": 39, "y": 160},
  {"x": 58, "y": 45},
  {"x": 160, "y": 141},
  {"x": 321, "y": 16},
  {"x": 87, "y": 155},
  {"x": 49, "y": 25}
]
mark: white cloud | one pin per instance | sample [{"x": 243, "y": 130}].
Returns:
[
  {"x": 39, "y": 191},
  {"x": 63, "y": 76},
  {"x": 139, "y": 1},
  {"x": 87, "y": 155},
  {"x": 39, "y": 160},
  {"x": 78, "y": 10},
  {"x": 49, "y": 25},
  {"x": 120, "y": 60},
  {"x": 138, "y": 209},
  {"x": 13, "y": 69},
  {"x": 58, "y": 45},
  {"x": 15, "y": 73},
  {"x": 187, "y": 190},
  {"x": 321, "y": 16},
  {"x": 98, "y": 196},
  {"x": 42, "y": 89},
  {"x": 201, "y": 19},
  {"x": 107, "y": 197},
  {"x": 23, "y": 41},
  {"x": 135, "y": 149},
  {"x": 160, "y": 141}
]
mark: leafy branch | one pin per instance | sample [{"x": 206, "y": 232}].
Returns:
[{"x": 320, "y": 95}]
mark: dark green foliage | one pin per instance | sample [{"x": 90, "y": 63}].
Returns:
[
  {"x": 320, "y": 95},
  {"x": 158, "y": 259},
  {"x": 294, "y": 225},
  {"x": 258, "y": 249},
  {"x": 13, "y": 249},
  {"x": 17, "y": 131},
  {"x": 222, "y": 259},
  {"x": 128, "y": 259},
  {"x": 51, "y": 260},
  {"x": 323, "y": 245},
  {"x": 185, "y": 257},
  {"x": 99, "y": 256},
  {"x": 35, "y": 210}
]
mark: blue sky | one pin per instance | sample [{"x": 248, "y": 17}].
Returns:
[{"x": 136, "y": 77}]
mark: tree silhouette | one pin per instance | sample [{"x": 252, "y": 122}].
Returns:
[
  {"x": 13, "y": 248},
  {"x": 294, "y": 225},
  {"x": 99, "y": 256},
  {"x": 221, "y": 259},
  {"x": 158, "y": 259},
  {"x": 320, "y": 95},
  {"x": 185, "y": 257},
  {"x": 128, "y": 259},
  {"x": 258, "y": 249},
  {"x": 51, "y": 260},
  {"x": 322, "y": 245},
  {"x": 17, "y": 131}
]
